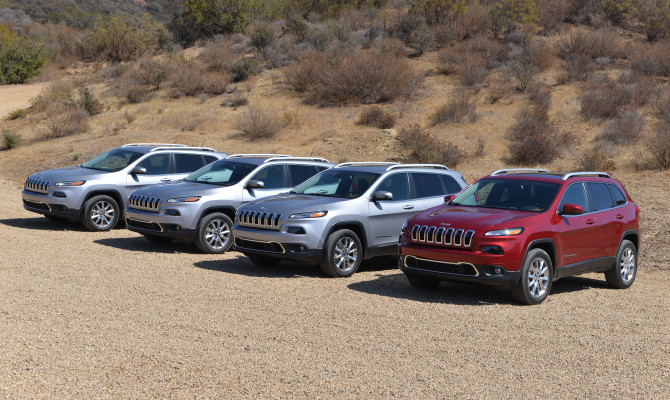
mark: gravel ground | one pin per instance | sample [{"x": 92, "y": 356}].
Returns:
[{"x": 110, "y": 315}]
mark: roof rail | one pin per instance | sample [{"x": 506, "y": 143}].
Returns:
[
  {"x": 436, "y": 166},
  {"x": 586, "y": 173},
  {"x": 319, "y": 159},
  {"x": 257, "y": 155},
  {"x": 507, "y": 171},
  {"x": 154, "y": 144},
  {"x": 365, "y": 163},
  {"x": 180, "y": 148}
]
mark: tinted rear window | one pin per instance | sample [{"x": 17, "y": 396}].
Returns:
[
  {"x": 599, "y": 196},
  {"x": 427, "y": 185},
  {"x": 619, "y": 198},
  {"x": 188, "y": 163},
  {"x": 451, "y": 184},
  {"x": 300, "y": 173}
]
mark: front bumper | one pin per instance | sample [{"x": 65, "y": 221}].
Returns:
[
  {"x": 48, "y": 204},
  {"x": 457, "y": 266},
  {"x": 277, "y": 244},
  {"x": 159, "y": 224}
]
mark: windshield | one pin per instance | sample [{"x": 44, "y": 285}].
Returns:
[
  {"x": 113, "y": 160},
  {"x": 224, "y": 173},
  {"x": 337, "y": 183},
  {"x": 508, "y": 194}
]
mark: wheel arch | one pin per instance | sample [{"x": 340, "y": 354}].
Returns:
[
  {"x": 229, "y": 211},
  {"x": 633, "y": 236},
  {"x": 111, "y": 193},
  {"x": 353, "y": 226},
  {"x": 549, "y": 247}
]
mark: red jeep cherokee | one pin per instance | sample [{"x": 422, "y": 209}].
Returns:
[{"x": 521, "y": 229}]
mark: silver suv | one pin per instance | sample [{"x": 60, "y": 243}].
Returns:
[
  {"x": 342, "y": 215},
  {"x": 201, "y": 209},
  {"x": 96, "y": 191}
]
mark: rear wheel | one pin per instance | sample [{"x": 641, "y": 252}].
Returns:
[
  {"x": 263, "y": 261},
  {"x": 535, "y": 282},
  {"x": 422, "y": 282},
  {"x": 214, "y": 234},
  {"x": 342, "y": 255},
  {"x": 101, "y": 213},
  {"x": 157, "y": 239},
  {"x": 622, "y": 274}
]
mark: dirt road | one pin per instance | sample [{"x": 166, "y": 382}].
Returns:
[
  {"x": 13, "y": 97},
  {"x": 110, "y": 315}
]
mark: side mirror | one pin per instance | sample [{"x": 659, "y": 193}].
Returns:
[
  {"x": 572, "y": 209},
  {"x": 254, "y": 184},
  {"x": 138, "y": 171},
  {"x": 449, "y": 197},
  {"x": 382, "y": 195}
]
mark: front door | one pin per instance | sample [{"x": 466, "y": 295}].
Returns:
[
  {"x": 274, "y": 182},
  {"x": 157, "y": 171},
  {"x": 387, "y": 217}
]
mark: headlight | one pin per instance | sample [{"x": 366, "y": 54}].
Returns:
[
  {"x": 190, "y": 199},
  {"x": 70, "y": 183},
  {"x": 309, "y": 214},
  {"x": 505, "y": 232}
]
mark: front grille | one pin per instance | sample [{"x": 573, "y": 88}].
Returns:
[
  {"x": 259, "y": 219},
  {"x": 269, "y": 247},
  {"x": 442, "y": 236},
  {"x": 37, "y": 206},
  {"x": 145, "y": 203},
  {"x": 147, "y": 226},
  {"x": 440, "y": 266},
  {"x": 37, "y": 185}
]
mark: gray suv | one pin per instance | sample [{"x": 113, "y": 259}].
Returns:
[
  {"x": 342, "y": 215},
  {"x": 201, "y": 209},
  {"x": 95, "y": 192}
]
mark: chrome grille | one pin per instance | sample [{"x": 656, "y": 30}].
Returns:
[
  {"x": 442, "y": 236},
  {"x": 145, "y": 203},
  {"x": 259, "y": 219},
  {"x": 37, "y": 185}
]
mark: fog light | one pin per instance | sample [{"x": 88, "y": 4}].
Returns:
[
  {"x": 497, "y": 270},
  {"x": 297, "y": 230},
  {"x": 59, "y": 194},
  {"x": 496, "y": 250},
  {"x": 172, "y": 212}
]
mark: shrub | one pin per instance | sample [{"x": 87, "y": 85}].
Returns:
[
  {"x": 592, "y": 44},
  {"x": 11, "y": 140},
  {"x": 626, "y": 128},
  {"x": 150, "y": 71},
  {"x": 258, "y": 123},
  {"x": 16, "y": 114},
  {"x": 244, "y": 68},
  {"x": 658, "y": 146},
  {"x": 534, "y": 138},
  {"x": 421, "y": 40},
  {"x": 88, "y": 102},
  {"x": 447, "y": 62},
  {"x": 650, "y": 59},
  {"x": 209, "y": 18},
  {"x": 577, "y": 68},
  {"x": 642, "y": 89},
  {"x": 603, "y": 98},
  {"x": 304, "y": 74},
  {"x": 422, "y": 147},
  {"x": 524, "y": 73},
  {"x": 65, "y": 120},
  {"x": 498, "y": 91},
  {"x": 377, "y": 117},
  {"x": 552, "y": 14},
  {"x": 20, "y": 58},
  {"x": 541, "y": 55},
  {"x": 491, "y": 51},
  {"x": 462, "y": 105},
  {"x": 57, "y": 92},
  {"x": 217, "y": 56},
  {"x": 235, "y": 100},
  {"x": 263, "y": 35},
  {"x": 191, "y": 80},
  {"x": 540, "y": 95},
  {"x": 364, "y": 77},
  {"x": 472, "y": 70},
  {"x": 513, "y": 15},
  {"x": 594, "y": 160}
]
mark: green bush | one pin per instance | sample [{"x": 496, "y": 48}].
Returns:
[
  {"x": 11, "y": 140},
  {"x": 21, "y": 58},
  {"x": 88, "y": 102},
  {"x": 16, "y": 114},
  {"x": 212, "y": 17}
]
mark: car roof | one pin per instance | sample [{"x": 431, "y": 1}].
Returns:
[
  {"x": 382, "y": 167},
  {"x": 145, "y": 148},
  {"x": 555, "y": 177}
]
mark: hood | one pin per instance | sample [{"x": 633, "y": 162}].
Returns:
[
  {"x": 69, "y": 174},
  {"x": 470, "y": 217},
  {"x": 177, "y": 189},
  {"x": 291, "y": 203}
]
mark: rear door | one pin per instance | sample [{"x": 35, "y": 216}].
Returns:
[
  {"x": 606, "y": 224},
  {"x": 428, "y": 190},
  {"x": 387, "y": 217},
  {"x": 184, "y": 164},
  {"x": 275, "y": 181},
  {"x": 298, "y": 174},
  {"x": 158, "y": 170}
]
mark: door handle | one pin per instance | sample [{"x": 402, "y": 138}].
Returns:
[
  {"x": 166, "y": 180},
  {"x": 408, "y": 207},
  {"x": 590, "y": 221},
  {"x": 619, "y": 216}
]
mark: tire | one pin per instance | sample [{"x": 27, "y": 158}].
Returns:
[
  {"x": 101, "y": 213},
  {"x": 422, "y": 282},
  {"x": 263, "y": 261},
  {"x": 214, "y": 234},
  {"x": 157, "y": 239},
  {"x": 55, "y": 218},
  {"x": 623, "y": 272},
  {"x": 342, "y": 255},
  {"x": 536, "y": 278}
]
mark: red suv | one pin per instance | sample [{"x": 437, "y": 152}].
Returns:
[{"x": 521, "y": 229}]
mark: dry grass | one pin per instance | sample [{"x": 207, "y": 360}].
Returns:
[
  {"x": 461, "y": 106},
  {"x": 626, "y": 128},
  {"x": 258, "y": 123},
  {"x": 603, "y": 98}
]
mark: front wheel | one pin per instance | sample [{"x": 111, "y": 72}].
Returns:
[
  {"x": 101, "y": 213},
  {"x": 535, "y": 281},
  {"x": 214, "y": 234},
  {"x": 622, "y": 274},
  {"x": 342, "y": 255}
]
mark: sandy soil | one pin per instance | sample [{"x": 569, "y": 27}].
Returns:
[
  {"x": 110, "y": 315},
  {"x": 13, "y": 97}
]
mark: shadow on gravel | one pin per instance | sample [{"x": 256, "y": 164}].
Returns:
[
  {"x": 576, "y": 284},
  {"x": 141, "y": 244},
  {"x": 396, "y": 285},
  {"x": 43, "y": 224},
  {"x": 240, "y": 265}
]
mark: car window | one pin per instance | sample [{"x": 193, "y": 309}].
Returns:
[
  {"x": 451, "y": 184},
  {"x": 619, "y": 198},
  {"x": 185, "y": 163},
  {"x": 210, "y": 159},
  {"x": 397, "y": 184},
  {"x": 599, "y": 196},
  {"x": 222, "y": 172},
  {"x": 427, "y": 185},
  {"x": 508, "y": 194},
  {"x": 158, "y": 164},
  {"x": 300, "y": 173},
  {"x": 272, "y": 177},
  {"x": 337, "y": 183},
  {"x": 574, "y": 194},
  {"x": 113, "y": 160}
]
